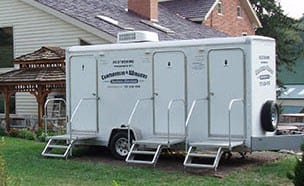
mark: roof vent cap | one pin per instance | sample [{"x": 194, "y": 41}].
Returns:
[{"x": 136, "y": 36}]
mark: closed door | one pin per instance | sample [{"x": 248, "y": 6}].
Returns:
[
  {"x": 169, "y": 85},
  {"x": 83, "y": 93},
  {"x": 226, "y": 82}
]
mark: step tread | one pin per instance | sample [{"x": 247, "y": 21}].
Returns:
[
  {"x": 140, "y": 162},
  {"x": 143, "y": 152},
  {"x": 199, "y": 165},
  {"x": 53, "y": 155},
  {"x": 202, "y": 155},
  {"x": 59, "y": 146}
]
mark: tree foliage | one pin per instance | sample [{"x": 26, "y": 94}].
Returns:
[{"x": 286, "y": 30}]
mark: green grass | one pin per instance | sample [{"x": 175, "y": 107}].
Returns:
[{"x": 26, "y": 166}]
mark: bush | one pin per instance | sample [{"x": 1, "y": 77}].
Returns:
[
  {"x": 22, "y": 133},
  {"x": 2, "y": 132},
  {"x": 39, "y": 132},
  {"x": 299, "y": 170},
  {"x": 30, "y": 135},
  {"x": 26, "y": 134},
  {"x": 13, "y": 133},
  {"x": 42, "y": 137},
  {"x": 298, "y": 175}
]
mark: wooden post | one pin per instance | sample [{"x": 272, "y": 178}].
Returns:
[
  {"x": 40, "y": 95},
  {"x": 7, "y": 98}
]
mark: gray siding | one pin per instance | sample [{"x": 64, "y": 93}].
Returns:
[{"x": 34, "y": 28}]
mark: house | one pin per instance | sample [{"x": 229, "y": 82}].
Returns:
[
  {"x": 26, "y": 25},
  {"x": 291, "y": 96},
  {"x": 233, "y": 17}
]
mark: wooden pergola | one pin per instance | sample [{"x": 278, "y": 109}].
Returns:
[{"x": 39, "y": 73}]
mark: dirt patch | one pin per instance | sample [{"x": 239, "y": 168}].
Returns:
[{"x": 175, "y": 162}]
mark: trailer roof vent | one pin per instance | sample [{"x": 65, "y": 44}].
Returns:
[{"x": 136, "y": 36}]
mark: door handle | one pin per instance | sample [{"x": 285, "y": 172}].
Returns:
[
  {"x": 211, "y": 93},
  {"x": 155, "y": 94}
]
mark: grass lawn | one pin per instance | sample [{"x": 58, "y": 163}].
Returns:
[{"x": 26, "y": 166}]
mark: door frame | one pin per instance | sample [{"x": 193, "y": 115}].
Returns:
[
  {"x": 244, "y": 92},
  {"x": 96, "y": 91},
  {"x": 153, "y": 84}
]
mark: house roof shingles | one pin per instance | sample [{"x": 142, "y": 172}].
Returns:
[
  {"x": 87, "y": 10},
  {"x": 190, "y": 8}
]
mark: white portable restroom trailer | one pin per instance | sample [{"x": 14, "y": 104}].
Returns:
[{"x": 210, "y": 94}]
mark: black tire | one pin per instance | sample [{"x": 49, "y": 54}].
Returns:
[
  {"x": 119, "y": 145},
  {"x": 270, "y": 116}
]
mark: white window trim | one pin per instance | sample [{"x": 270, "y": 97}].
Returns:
[
  {"x": 220, "y": 7},
  {"x": 239, "y": 12}
]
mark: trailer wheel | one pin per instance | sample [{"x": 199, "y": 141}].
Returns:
[
  {"x": 119, "y": 145},
  {"x": 270, "y": 116}
]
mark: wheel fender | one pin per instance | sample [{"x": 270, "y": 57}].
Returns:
[
  {"x": 270, "y": 116},
  {"x": 133, "y": 132}
]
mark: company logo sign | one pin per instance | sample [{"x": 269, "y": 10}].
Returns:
[{"x": 265, "y": 72}]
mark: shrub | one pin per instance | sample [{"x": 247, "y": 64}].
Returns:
[
  {"x": 42, "y": 137},
  {"x": 26, "y": 134},
  {"x": 299, "y": 170},
  {"x": 30, "y": 135},
  {"x": 298, "y": 175},
  {"x": 22, "y": 133},
  {"x": 39, "y": 132},
  {"x": 13, "y": 133},
  {"x": 2, "y": 132}
]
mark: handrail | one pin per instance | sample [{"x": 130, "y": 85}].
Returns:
[
  {"x": 131, "y": 117},
  {"x": 75, "y": 111},
  {"x": 169, "y": 108},
  {"x": 189, "y": 117},
  {"x": 52, "y": 99},
  {"x": 45, "y": 110},
  {"x": 229, "y": 116}
]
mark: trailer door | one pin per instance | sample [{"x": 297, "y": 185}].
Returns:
[
  {"x": 169, "y": 84},
  {"x": 83, "y": 88},
  {"x": 226, "y": 82}
]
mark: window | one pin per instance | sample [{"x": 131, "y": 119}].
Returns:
[
  {"x": 83, "y": 42},
  {"x": 239, "y": 11},
  {"x": 6, "y": 47},
  {"x": 198, "y": 22},
  {"x": 220, "y": 7},
  {"x": 12, "y": 104}
]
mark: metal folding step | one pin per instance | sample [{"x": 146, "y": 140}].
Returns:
[
  {"x": 147, "y": 151},
  {"x": 211, "y": 150},
  {"x": 139, "y": 155},
  {"x": 59, "y": 148},
  {"x": 215, "y": 155}
]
